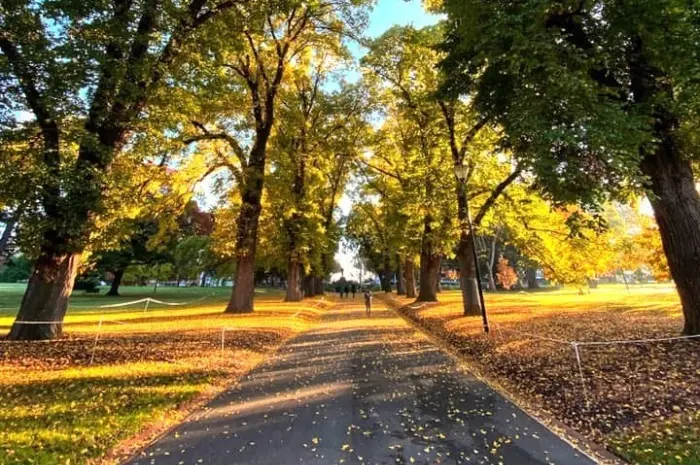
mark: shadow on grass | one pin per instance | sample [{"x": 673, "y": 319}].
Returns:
[{"x": 75, "y": 419}]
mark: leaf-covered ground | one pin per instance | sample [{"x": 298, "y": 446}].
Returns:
[
  {"x": 149, "y": 370},
  {"x": 640, "y": 400}
]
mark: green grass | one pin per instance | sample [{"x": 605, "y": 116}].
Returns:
[
  {"x": 78, "y": 416},
  {"x": 59, "y": 409},
  {"x": 674, "y": 442},
  {"x": 80, "y": 302}
]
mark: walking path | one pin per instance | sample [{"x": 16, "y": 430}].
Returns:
[{"x": 360, "y": 391}]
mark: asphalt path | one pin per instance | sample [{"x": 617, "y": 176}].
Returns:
[{"x": 360, "y": 390}]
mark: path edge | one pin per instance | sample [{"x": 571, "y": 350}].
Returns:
[
  {"x": 192, "y": 409},
  {"x": 594, "y": 451}
]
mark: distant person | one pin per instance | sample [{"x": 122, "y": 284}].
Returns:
[
  {"x": 368, "y": 302},
  {"x": 347, "y": 290},
  {"x": 353, "y": 289},
  {"x": 339, "y": 290}
]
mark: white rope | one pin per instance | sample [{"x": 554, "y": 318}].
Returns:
[
  {"x": 637, "y": 341},
  {"x": 313, "y": 306},
  {"x": 124, "y": 304}
]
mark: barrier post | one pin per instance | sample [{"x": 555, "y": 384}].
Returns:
[
  {"x": 94, "y": 345},
  {"x": 580, "y": 372},
  {"x": 148, "y": 300},
  {"x": 223, "y": 339}
]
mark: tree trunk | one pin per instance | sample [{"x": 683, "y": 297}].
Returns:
[
  {"x": 386, "y": 275},
  {"x": 46, "y": 297},
  {"x": 676, "y": 207},
  {"x": 429, "y": 269},
  {"x": 438, "y": 284},
  {"x": 309, "y": 286},
  {"x": 467, "y": 277},
  {"x": 465, "y": 256},
  {"x": 318, "y": 285},
  {"x": 531, "y": 277},
  {"x": 116, "y": 282},
  {"x": 410, "y": 278},
  {"x": 675, "y": 200},
  {"x": 400, "y": 277},
  {"x": 246, "y": 243},
  {"x": 294, "y": 293}
]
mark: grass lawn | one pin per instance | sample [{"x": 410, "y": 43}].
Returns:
[
  {"x": 150, "y": 368},
  {"x": 641, "y": 400}
]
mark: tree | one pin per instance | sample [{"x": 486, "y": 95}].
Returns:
[
  {"x": 85, "y": 72},
  {"x": 318, "y": 134},
  {"x": 604, "y": 94},
  {"x": 248, "y": 78},
  {"x": 506, "y": 275},
  {"x": 447, "y": 133}
]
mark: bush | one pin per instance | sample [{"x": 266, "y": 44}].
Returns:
[{"x": 17, "y": 269}]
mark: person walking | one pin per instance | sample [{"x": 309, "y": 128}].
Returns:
[
  {"x": 368, "y": 302},
  {"x": 353, "y": 289},
  {"x": 347, "y": 291}
]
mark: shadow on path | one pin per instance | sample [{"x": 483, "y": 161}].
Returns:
[{"x": 360, "y": 390}]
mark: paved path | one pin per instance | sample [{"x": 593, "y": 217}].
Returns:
[{"x": 360, "y": 391}]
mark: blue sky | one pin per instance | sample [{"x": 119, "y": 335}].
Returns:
[{"x": 388, "y": 13}]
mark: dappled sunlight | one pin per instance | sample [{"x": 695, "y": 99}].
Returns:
[{"x": 271, "y": 404}]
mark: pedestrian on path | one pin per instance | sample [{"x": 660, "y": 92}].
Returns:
[
  {"x": 347, "y": 291},
  {"x": 353, "y": 289},
  {"x": 368, "y": 302}
]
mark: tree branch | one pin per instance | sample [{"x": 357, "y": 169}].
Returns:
[{"x": 495, "y": 194}]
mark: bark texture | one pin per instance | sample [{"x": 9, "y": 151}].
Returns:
[
  {"x": 247, "y": 234},
  {"x": 400, "y": 278},
  {"x": 293, "y": 293},
  {"x": 429, "y": 269},
  {"x": 465, "y": 256},
  {"x": 116, "y": 282},
  {"x": 409, "y": 270},
  {"x": 46, "y": 297},
  {"x": 531, "y": 277},
  {"x": 675, "y": 200}
]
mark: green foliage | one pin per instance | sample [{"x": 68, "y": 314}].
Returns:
[
  {"x": 557, "y": 76},
  {"x": 18, "y": 268}
]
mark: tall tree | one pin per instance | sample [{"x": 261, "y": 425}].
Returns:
[
  {"x": 243, "y": 101},
  {"x": 604, "y": 93},
  {"x": 85, "y": 72},
  {"x": 448, "y": 133}
]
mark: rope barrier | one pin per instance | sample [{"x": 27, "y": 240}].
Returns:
[
  {"x": 147, "y": 300},
  {"x": 637, "y": 341}
]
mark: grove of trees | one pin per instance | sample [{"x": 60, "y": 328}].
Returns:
[{"x": 560, "y": 115}]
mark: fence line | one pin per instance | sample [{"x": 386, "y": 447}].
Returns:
[{"x": 578, "y": 345}]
